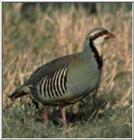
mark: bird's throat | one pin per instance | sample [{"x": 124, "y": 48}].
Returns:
[
  {"x": 97, "y": 54},
  {"x": 99, "y": 50}
]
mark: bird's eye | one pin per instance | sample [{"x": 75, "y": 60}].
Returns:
[{"x": 97, "y": 35}]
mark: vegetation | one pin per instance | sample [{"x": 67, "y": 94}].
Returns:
[{"x": 27, "y": 45}]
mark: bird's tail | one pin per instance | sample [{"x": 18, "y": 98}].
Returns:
[{"x": 21, "y": 91}]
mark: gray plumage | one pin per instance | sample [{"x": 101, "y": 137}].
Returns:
[{"x": 67, "y": 79}]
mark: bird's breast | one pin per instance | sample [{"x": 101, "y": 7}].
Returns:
[{"x": 83, "y": 79}]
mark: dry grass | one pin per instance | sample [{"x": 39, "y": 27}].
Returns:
[{"x": 28, "y": 45}]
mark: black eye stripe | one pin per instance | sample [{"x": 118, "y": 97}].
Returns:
[{"x": 98, "y": 34}]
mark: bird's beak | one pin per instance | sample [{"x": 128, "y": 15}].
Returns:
[{"x": 109, "y": 35}]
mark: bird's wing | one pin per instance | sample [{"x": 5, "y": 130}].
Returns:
[{"x": 48, "y": 69}]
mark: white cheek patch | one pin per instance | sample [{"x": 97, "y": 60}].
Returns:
[
  {"x": 99, "y": 49},
  {"x": 99, "y": 40}
]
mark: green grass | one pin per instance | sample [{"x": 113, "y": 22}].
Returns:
[{"x": 18, "y": 122}]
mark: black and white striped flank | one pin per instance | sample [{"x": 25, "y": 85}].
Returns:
[{"x": 54, "y": 86}]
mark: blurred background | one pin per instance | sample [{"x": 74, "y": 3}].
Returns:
[{"x": 36, "y": 33}]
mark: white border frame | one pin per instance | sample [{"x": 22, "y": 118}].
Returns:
[
  {"x": 132, "y": 70},
  {"x": 63, "y": 1},
  {"x": 1, "y": 70}
]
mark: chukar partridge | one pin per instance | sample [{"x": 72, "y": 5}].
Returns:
[{"x": 70, "y": 78}]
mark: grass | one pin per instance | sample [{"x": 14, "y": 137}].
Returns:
[{"x": 27, "y": 45}]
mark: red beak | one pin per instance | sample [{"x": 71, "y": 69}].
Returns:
[{"x": 109, "y": 35}]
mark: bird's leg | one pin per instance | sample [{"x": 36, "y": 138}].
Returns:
[
  {"x": 63, "y": 114},
  {"x": 45, "y": 115},
  {"x": 94, "y": 101}
]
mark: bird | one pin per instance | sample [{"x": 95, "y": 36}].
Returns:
[{"x": 68, "y": 79}]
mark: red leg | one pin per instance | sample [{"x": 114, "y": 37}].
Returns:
[
  {"x": 63, "y": 114},
  {"x": 45, "y": 116}
]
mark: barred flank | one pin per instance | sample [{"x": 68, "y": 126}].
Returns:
[{"x": 55, "y": 86}]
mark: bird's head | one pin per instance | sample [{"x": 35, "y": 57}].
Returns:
[{"x": 99, "y": 36}]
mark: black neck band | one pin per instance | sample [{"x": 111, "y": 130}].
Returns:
[{"x": 96, "y": 54}]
